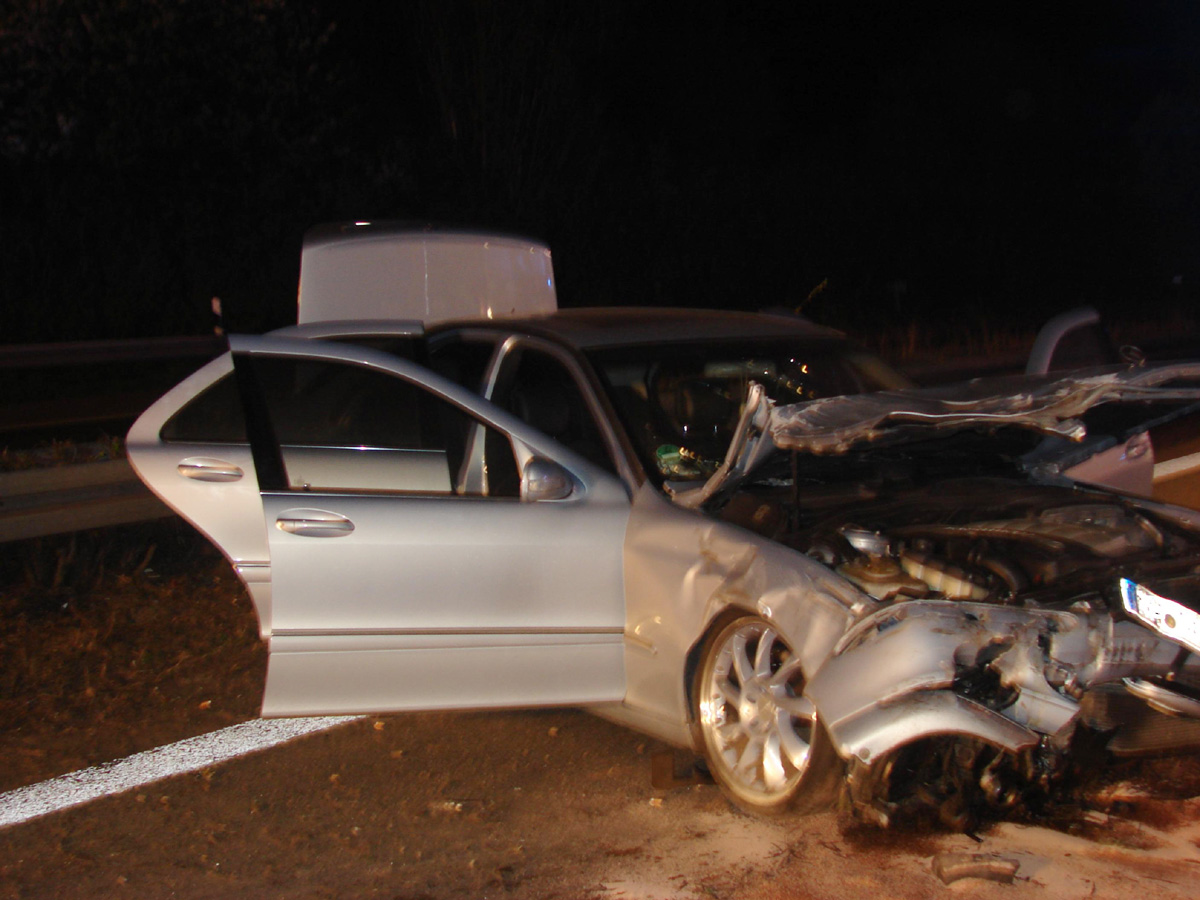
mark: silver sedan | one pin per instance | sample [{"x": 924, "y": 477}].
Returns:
[{"x": 595, "y": 508}]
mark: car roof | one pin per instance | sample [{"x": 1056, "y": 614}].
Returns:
[{"x": 601, "y": 327}]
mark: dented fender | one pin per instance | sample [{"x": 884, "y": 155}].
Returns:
[
  {"x": 698, "y": 570},
  {"x": 875, "y": 732},
  {"x": 1008, "y": 676}
]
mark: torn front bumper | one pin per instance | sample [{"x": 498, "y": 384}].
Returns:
[{"x": 1010, "y": 677}]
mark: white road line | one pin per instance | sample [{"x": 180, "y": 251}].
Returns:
[{"x": 190, "y": 755}]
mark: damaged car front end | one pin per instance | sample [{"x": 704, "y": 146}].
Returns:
[{"x": 1012, "y": 615}]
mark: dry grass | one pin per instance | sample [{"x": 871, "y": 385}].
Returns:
[{"x": 61, "y": 453}]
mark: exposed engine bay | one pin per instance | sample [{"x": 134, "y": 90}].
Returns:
[
  {"x": 957, "y": 520},
  {"x": 1054, "y": 557}
]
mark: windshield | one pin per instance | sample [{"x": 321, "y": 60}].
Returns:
[{"x": 679, "y": 403}]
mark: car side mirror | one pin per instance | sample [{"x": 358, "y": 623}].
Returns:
[{"x": 544, "y": 479}]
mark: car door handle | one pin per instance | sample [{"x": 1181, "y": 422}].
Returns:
[
  {"x": 203, "y": 468},
  {"x": 314, "y": 523}
]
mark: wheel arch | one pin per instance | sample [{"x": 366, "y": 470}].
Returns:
[{"x": 695, "y": 652}]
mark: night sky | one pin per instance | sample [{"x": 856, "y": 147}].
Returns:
[{"x": 879, "y": 165}]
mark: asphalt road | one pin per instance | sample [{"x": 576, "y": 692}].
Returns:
[{"x": 538, "y": 805}]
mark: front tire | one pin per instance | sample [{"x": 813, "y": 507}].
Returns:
[{"x": 760, "y": 734}]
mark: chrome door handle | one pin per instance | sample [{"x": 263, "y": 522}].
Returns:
[
  {"x": 203, "y": 468},
  {"x": 314, "y": 523}
]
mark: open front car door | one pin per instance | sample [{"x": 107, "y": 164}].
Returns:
[{"x": 427, "y": 550}]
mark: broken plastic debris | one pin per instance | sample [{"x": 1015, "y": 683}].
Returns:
[
  {"x": 667, "y": 772},
  {"x": 952, "y": 867}
]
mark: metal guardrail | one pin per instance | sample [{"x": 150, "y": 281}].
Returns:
[
  {"x": 144, "y": 368},
  {"x": 86, "y": 353},
  {"x": 39, "y": 502}
]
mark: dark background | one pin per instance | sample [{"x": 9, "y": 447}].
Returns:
[{"x": 883, "y": 166}]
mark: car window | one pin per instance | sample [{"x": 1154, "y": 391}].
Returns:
[
  {"x": 464, "y": 362},
  {"x": 350, "y": 428},
  {"x": 213, "y": 417},
  {"x": 680, "y": 402},
  {"x": 540, "y": 390},
  {"x": 344, "y": 427}
]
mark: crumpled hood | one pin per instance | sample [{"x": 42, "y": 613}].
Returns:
[
  {"x": 834, "y": 425},
  {"x": 1049, "y": 405}
]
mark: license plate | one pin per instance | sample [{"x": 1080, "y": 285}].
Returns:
[{"x": 1166, "y": 616}]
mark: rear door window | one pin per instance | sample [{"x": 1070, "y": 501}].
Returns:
[{"x": 344, "y": 427}]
